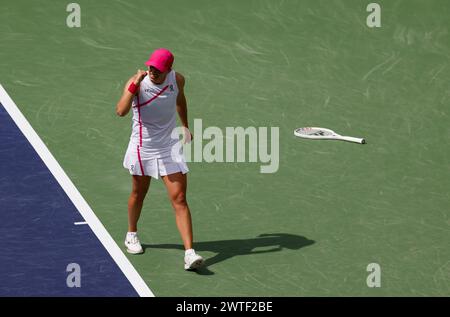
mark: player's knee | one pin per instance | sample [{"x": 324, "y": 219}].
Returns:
[
  {"x": 138, "y": 194},
  {"x": 179, "y": 199}
]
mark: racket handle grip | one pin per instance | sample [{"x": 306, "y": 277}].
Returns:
[{"x": 352, "y": 139}]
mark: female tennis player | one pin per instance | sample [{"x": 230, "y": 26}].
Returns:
[{"x": 155, "y": 96}]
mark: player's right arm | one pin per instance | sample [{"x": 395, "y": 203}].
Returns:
[{"x": 124, "y": 104}]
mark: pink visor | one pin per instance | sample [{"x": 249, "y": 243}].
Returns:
[{"x": 161, "y": 59}]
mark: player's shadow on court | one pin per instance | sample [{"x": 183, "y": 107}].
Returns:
[{"x": 226, "y": 249}]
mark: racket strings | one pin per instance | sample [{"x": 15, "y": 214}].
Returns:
[{"x": 315, "y": 132}]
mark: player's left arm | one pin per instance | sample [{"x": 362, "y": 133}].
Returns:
[
  {"x": 182, "y": 106},
  {"x": 181, "y": 100}
]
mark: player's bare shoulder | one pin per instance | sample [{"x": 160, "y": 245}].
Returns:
[{"x": 180, "y": 80}]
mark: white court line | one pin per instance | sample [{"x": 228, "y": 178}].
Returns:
[
  {"x": 80, "y": 223},
  {"x": 75, "y": 196}
]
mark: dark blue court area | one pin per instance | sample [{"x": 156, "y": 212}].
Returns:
[{"x": 38, "y": 236}]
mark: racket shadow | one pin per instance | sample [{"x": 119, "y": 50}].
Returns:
[{"x": 226, "y": 249}]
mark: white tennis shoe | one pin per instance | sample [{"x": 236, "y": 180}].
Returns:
[
  {"x": 132, "y": 243},
  {"x": 192, "y": 260}
]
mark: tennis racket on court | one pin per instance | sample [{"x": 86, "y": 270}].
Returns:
[{"x": 315, "y": 133}]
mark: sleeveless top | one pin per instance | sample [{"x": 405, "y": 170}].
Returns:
[{"x": 154, "y": 116}]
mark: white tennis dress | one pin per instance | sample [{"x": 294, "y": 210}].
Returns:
[{"x": 149, "y": 151}]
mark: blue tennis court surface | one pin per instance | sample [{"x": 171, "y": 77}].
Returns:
[{"x": 39, "y": 237}]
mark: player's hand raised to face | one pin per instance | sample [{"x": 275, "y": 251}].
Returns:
[{"x": 140, "y": 75}]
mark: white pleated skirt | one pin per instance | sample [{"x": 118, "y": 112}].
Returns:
[{"x": 139, "y": 162}]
